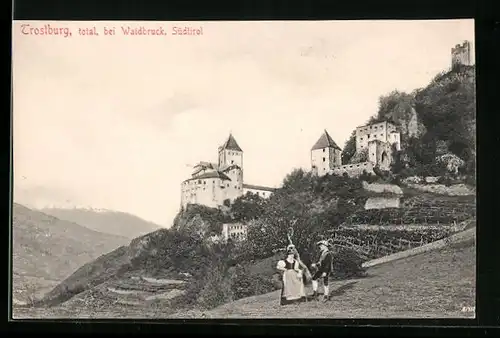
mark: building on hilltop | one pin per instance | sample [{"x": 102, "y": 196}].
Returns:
[
  {"x": 325, "y": 155},
  {"x": 374, "y": 148},
  {"x": 257, "y": 190},
  {"x": 460, "y": 54},
  {"x": 385, "y": 132},
  {"x": 211, "y": 184},
  {"x": 235, "y": 231}
]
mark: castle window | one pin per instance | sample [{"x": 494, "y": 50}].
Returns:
[
  {"x": 324, "y": 149},
  {"x": 232, "y": 162},
  {"x": 361, "y": 139},
  {"x": 228, "y": 185},
  {"x": 368, "y": 135},
  {"x": 323, "y": 159},
  {"x": 381, "y": 134}
]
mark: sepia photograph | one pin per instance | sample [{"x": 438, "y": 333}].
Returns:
[{"x": 243, "y": 169}]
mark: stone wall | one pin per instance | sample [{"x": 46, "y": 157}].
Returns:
[
  {"x": 354, "y": 170},
  {"x": 382, "y": 203}
]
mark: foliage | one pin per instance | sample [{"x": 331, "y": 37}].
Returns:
[
  {"x": 347, "y": 264},
  {"x": 397, "y": 216},
  {"x": 210, "y": 219},
  {"x": 244, "y": 284},
  {"x": 349, "y": 148},
  {"x": 309, "y": 205},
  {"x": 370, "y": 178},
  {"x": 216, "y": 288},
  {"x": 395, "y": 106},
  {"x": 447, "y": 108},
  {"x": 248, "y": 207}
]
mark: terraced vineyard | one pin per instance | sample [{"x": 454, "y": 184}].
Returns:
[
  {"x": 136, "y": 292},
  {"x": 421, "y": 219},
  {"x": 376, "y": 243},
  {"x": 419, "y": 210}
]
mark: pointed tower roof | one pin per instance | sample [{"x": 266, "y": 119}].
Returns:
[
  {"x": 231, "y": 144},
  {"x": 325, "y": 141}
]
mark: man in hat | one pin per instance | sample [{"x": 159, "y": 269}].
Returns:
[{"x": 323, "y": 269}]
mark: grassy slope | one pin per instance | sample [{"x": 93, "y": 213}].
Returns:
[
  {"x": 106, "y": 269},
  {"x": 46, "y": 249},
  {"x": 434, "y": 284},
  {"x": 110, "y": 222}
]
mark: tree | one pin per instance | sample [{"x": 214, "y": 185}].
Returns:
[
  {"x": 349, "y": 148},
  {"x": 248, "y": 207}
]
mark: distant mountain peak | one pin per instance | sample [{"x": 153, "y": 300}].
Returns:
[{"x": 104, "y": 220}]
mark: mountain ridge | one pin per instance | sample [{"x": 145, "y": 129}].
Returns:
[
  {"x": 45, "y": 249},
  {"x": 105, "y": 220}
]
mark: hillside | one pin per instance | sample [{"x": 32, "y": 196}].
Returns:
[
  {"x": 106, "y": 221},
  {"x": 186, "y": 267},
  {"x": 435, "y": 120},
  {"x": 182, "y": 267},
  {"x": 46, "y": 250},
  {"x": 438, "y": 283}
]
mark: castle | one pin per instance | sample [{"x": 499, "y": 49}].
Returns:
[
  {"x": 460, "y": 54},
  {"x": 374, "y": 147},
  {"x": 213, "y": 183},
  {"x": 375, "y": 142}
]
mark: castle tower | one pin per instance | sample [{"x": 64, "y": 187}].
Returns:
[
  {"x": 460, "y": 54},
  {"x": 231, "y": 164},
  {"x": 325, "y": 155},
  {"x": 230, "y": 154}
]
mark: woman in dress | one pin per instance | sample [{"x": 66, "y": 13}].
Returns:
[{"x": 293, "y": 284}]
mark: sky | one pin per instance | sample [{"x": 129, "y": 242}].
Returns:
[{"x": 115, "y": 122}]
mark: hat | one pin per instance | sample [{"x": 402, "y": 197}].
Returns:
[
  {"x": 322, "y": 242},
  {"x": 290, "y": 247}
]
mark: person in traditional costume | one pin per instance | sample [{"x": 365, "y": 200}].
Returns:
[
  {"x": 323, "y": 269},
  {"x": 293, "y": 284}
]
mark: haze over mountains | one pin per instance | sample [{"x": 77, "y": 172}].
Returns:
[
  {"x": 67, "y": 206},
  {"x": 105, "y": 221},
  {"x": 46, "y": 249}
]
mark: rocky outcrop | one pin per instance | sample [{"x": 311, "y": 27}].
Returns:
[
  {"x": 383, "y": 188},
  {"x": 441, "y": 189},
  {"x": 413, "y": 127},
  {"x": 452, "y": 162},
  {"x": 382, "y": 203},
  {"x": 359, "y": 156}
]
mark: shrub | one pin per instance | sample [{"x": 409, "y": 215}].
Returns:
[
  {"x": 347, "y": 264},
  {"x": 216, "y": 288},
  {"x": 365, "y": 176},
  {"x": 248, "y": 207},
  {"x": 245, "y": 284}
]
